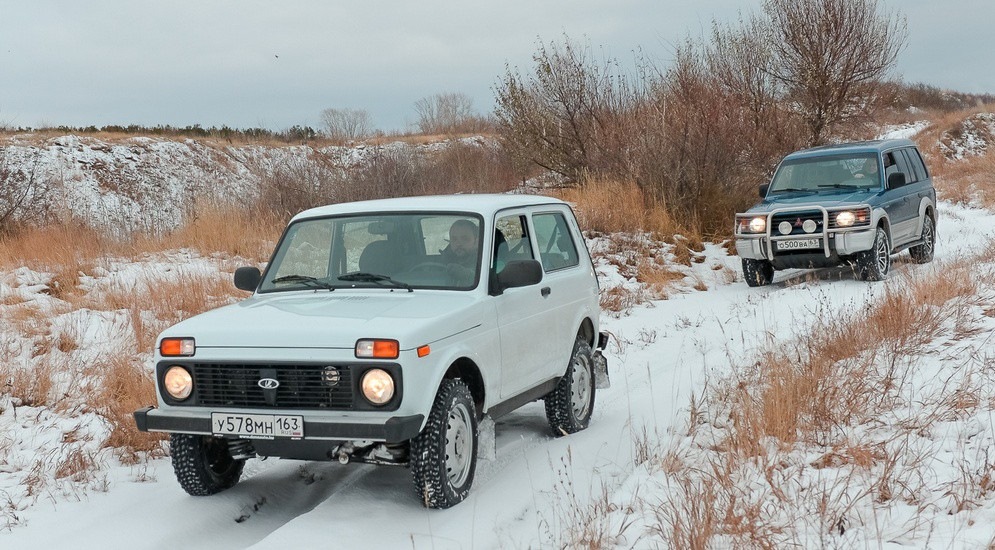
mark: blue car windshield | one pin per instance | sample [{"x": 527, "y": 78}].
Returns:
[{"x": 826, "y": 173}]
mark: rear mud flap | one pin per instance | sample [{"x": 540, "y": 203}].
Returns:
[{"x": 601, "y": 380}]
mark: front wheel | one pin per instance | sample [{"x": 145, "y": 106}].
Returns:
[
  {"x": 876, "y": 262},
  {"x": 758, "y": 272},
  {"x": 444, "y": 454},
  {"x": 203, "y": 464},
  {"x": 923, "y": 253},
  {"x": 570, "y": 404}
]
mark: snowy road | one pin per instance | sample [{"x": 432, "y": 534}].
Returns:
[{"x": 528, "y": 496}]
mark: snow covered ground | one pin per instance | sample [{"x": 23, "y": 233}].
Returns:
[{"x": 538, "y": 491}]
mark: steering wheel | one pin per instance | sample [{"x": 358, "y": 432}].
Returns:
[{"x": 428, "y": 267}]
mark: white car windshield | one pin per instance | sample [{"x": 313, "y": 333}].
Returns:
[
  {"x": 856, "y": 171},
  {"x": 395, "y": 251}
]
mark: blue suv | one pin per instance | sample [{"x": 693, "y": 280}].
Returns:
[{"x": 850, "y": 204}]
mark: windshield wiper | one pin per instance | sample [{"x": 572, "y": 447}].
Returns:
[
  {"x": 306, "y": 280},
  {"x": 841, "y": 186},
  {"x": 382, "y": 280},
  {"x": 790, "y": 190}
]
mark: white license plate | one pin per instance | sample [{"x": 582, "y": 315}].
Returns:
[
  {"x": 257, "y": 425},
  {"x": 796, "y": 244}
]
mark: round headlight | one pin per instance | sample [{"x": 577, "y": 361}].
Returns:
[
  {"x": 784, "y": 227},
  {"x": 809, "y": 226},
  {"x": 845, "y": 219},
  {"x": 758, "y": 225},
  {"x": 178, "y": 383},
  {"x": 378, "y": 386}
]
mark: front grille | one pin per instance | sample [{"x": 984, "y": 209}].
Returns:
[
  {"x": 301, "y": 386},
  {"x": 796, "y": 219}
]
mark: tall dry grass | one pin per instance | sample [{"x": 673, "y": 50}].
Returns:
[
  {"x": 810, "y": 393},
  {"x": 608, "y": 206}
]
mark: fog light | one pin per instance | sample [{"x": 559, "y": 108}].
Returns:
[
  {"x": 378, "y": 386},
  {"x": 809, "y": 226},
  {"x": 178, "y": 383},
  {"x": 784, "y": 228},
  {"x": 330, "y": 376},
  {"x": 845, "y": 219}
]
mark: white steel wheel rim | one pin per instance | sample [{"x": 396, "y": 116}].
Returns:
[
  {"x": 883, "y": 259},
  {"x": 580, "y": 387},
  {"x": 459, "y": 445}
]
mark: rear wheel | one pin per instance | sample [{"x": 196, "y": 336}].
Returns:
[
  {"x": 923, "y": 253},
  {"x": 444, "y": 454},
  {"x": 758, "y": 272},
  {"x": 203, "y": 464},
  {"x": 570, "y": 404}
]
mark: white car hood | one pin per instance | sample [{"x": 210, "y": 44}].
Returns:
[{"x": 321, "y": 319}]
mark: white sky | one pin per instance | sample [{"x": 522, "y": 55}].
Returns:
[{"x": 276, "y": 64}]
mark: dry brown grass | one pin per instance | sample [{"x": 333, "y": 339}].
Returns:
[
  {"x": 610, "y": 207},
  {"x": 218, "y": 229},
  {"x": 126, "y": 387}
]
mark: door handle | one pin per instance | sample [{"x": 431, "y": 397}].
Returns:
[{"x": 545, "y": 291}]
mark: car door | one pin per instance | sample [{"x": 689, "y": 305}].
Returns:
[
  {"x": 524, "y": 324},
  {"x": 565, "y": 286},
  {"x": 897, "y": 199}
]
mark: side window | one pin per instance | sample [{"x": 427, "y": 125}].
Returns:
[
  {"x": 556, "y": 246},
  {"x": 511, "y": 241},
  {"x": 915, "y": 160},
  {"x": 912, "y": 175},
  {"x": 890, "y": 165},
  {"x": 903, "y": 166}
]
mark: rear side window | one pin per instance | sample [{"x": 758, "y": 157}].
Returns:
[
  {"x": 556, "y": 246},
  {"x": 915, "y": 159}
]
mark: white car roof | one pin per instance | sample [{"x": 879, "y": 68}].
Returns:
[{"x": 485, "y": 204}]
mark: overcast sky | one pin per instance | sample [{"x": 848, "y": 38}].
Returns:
[{"x": 276, "y": 64}]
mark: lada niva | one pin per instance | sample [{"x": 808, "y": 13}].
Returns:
[
  {"x": 851, "y": 204},
  {"x": 383, "y": 332}
]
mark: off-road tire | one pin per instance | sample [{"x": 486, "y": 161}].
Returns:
[
  {"x": 570, "y": 404},
  {"x": 442, "y": 445},
  {"x": 757, "y": 272},
  {"x": 923, "y": 253},
  {"x": 203, "y": 464},
  {"x": 874, "y": 264}
]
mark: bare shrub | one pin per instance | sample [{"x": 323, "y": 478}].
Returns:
[
  {"x": 832, "y": 56},
  {"x": 449, "y": 114},
  {"x": 468, "y": 167},
  {"x": 345, "y": 125},
  {"x": 297, "y": 183},
  {"x": 233, "y": 230}
]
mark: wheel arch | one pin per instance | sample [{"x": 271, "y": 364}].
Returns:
[{"x": 466, "y": 369}]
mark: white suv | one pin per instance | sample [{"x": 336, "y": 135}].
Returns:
[{"x": 383, "y": 332}]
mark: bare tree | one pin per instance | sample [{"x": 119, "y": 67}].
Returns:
[
  {"x": 17, "y": 190},
  {"x": 832, "y": 56},
  {"x": 448, "y": 113},
  {"x": 344, "y": 125},
  {"x": 571, "y": 115}
]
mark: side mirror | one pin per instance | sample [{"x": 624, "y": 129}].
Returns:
[
  {"x": 247, "y": 278},
  {"x": 518, "y": 273},
  {"x": 763, "y": 190},
  {"x": 896, "y": 180}
]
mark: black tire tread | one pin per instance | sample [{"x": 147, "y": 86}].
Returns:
[
  {"x": 921, "y": 254},
  {"x": 427, "y": 460},
  {"x": 193, "y": 472},
  {"x": 758, "y": 272},
  {"x": 559, "y": 409}
]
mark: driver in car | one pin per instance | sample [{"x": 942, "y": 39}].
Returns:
[{"x": 461, "y": 254}]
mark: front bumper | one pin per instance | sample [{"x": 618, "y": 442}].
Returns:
[
  {"x": 834, "y": 241},
  {"x": 840, "y": 244},
  {"x": 395, "y": 429}
]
